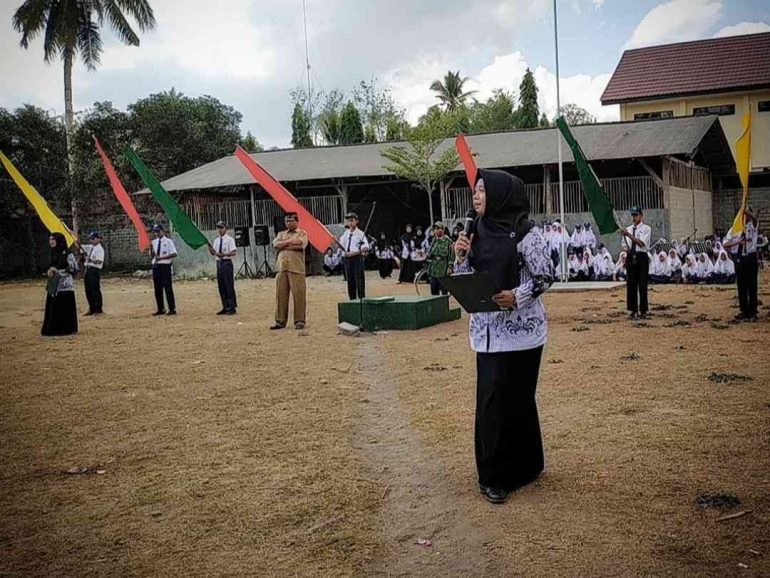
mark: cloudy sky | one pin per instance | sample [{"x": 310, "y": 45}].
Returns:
[{"x": 250, "y": 53}]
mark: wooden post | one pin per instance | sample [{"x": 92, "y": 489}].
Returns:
[
  {"x": 344, "y": 192},
  {"x": 547, "y": 190}
]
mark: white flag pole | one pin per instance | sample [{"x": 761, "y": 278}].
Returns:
[{"x": 562, "y": 244}]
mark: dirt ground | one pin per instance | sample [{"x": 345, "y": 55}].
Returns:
[{"x": 215, "y": 447}]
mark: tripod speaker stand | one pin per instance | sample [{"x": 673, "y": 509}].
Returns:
[
  {"x": 262, "y": 239},
  {"x": 242, "y": 240}
]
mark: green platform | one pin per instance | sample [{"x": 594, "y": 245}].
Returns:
[{"x": 402, "y": 312}]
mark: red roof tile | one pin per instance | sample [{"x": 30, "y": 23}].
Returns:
[{"x": 703, "y": 66}]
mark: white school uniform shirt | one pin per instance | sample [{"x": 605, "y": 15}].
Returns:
[
  {"x": 750, "y": 231},
  {"x": 162, "y": 247},
  {"x": 224, "y": 244},
  {"x": 95, "y": 252},
  {"x": 643, "y": 233},
  {"x": 354, "y": 240},
  {"x": 332, "y": 260}
]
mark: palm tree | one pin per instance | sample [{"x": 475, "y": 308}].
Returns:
[
  {"x": 450, "y": 92},
  {"x": 73, "y": 28}
]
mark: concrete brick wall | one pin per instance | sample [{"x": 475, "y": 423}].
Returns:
[
  {"x": 689, "y": 210},
  {"x": 727, "y": 203}
]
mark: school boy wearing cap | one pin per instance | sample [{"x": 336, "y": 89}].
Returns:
[
  {"x": 636, "y": 243},
  {"x": 92, "y": 278},
  {"x": 223, "y": 249},
  {"x": 355, "y": 245},
  {"x": 163, "y": 253}
]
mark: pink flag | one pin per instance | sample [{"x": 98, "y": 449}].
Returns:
[
  {"x": 123, "y": 198},
  {"x": 318, "y": 235}
]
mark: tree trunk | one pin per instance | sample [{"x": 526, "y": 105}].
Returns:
[
  {"x": 69, "y": 122},
  {"x": 430, "y": 205}
]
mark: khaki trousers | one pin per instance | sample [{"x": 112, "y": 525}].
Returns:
[{"x": 285, "y": 283}]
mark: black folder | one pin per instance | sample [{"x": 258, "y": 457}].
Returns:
[{"x": 473, "y": 291}]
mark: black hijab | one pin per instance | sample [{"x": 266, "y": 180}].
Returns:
[
  {"x": 59, "y": 252},
  {"x": 504, "y": 223},
  {"x": 407, "y": 236}
]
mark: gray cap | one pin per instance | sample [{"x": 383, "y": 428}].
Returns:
[{"x": 221, "y": 224}]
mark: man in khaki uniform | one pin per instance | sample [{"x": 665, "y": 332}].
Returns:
[{"x": 290, "y": 273}]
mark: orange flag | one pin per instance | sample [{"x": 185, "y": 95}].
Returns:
[
  {"x": 318, "y": 235},
  {"x": 466, "y": 157},
  {"x": 123, "y": 198}
]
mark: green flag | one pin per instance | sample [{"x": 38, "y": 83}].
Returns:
[
  {"x": 601, "y": 207},
  {"x": 182, "y": 223}
]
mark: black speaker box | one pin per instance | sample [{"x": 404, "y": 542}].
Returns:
[
  {"x": 241, "y": 235},
  {"x": 261, "y": 236}
]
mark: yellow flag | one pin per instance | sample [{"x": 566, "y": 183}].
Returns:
[
  {"x": 743, "y": 160},
  {"x": 50, "y": 220}
]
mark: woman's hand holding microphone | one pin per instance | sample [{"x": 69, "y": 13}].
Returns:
[{"x": 462, "y": 246}]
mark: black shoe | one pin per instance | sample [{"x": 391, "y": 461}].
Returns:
[
  {"x": 740, "y": 317},
  {"x": 496, "y": 495},
  {"x": 89, "y": 314},
  {"x": 230, "y": 312},
  {"x": 633, "y": 315},
  {"x": 277, "y": 326},
  {"x": 299, "y": 325},
  {"x": 159, "y": 312},
  {"x": 98, "y": 312},
  {"x": 171, "y": 312},
  {"x": 222, "y": 312},
  {"x": 644, "y": 315}
]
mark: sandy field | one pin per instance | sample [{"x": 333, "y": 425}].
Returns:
[{"x": 210, "y": 446}]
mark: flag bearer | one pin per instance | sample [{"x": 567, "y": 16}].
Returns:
[
  {"x": 743, "y": 246},
  {"x": 636, "y": 242},
  {"x": 223, "y": 248},
  {"x": 163, "y": 253},
  {"x": 93, "y": 274},
  {"x": 355, "y": 245},
  {"x": 290, "y": 273}
]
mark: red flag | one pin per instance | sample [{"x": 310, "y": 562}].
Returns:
[
  {"x": 318, "y": 235},
  {"x": 467, "y": 159},
  {"x": 123, "y": 198}
]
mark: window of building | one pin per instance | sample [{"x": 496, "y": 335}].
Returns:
[
  {"x": 764, "y": 106},
  {"x": 654, "y": 115},
  {"x": 721, "y": 110}
]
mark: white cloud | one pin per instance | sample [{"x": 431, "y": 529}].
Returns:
[
  {"x": 676, "y": 21},
  {"x": 411, "y": 86},
  {"x": 598, "y": 4},
  {"x": 743, "y": 28}
]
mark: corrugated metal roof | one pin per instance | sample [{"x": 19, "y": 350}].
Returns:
[
  {"x": 621, "y": 140},
  {"x": 702, "y": 66}
]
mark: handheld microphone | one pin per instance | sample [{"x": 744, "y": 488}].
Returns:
[{"x": 470, "y": 216}]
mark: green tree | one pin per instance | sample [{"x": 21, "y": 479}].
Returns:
[
  {"x": 36, "y": 144},
  {"x": 369, "y": 136},
  {"x": 397, "y": 129},
  {"x": 329, "y": 121},
  {"x": 544, "y": 121},
  {"x": 351, "y": 129},
  {"x": 447, "y": 123},
  {"x": 528, "y": 113},
  {"x": 450, "y": 91},
  {"x": 251, "y": 144},
  {"x": 300, "y": 128},
  {"x": 574, "y": 115},
  {"x": 175, "y": 133},
  {"x": 420, "y": 162},
  {"x": 377, "y": 107},
  {"x": 72, "y": 28},
  {"x": 494, "y": 115}
]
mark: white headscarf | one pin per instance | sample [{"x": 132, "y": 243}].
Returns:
[
  {"x": 675, "y": 263},
  {"x": 724, "y": 266},
  {"x": 689, "y": 267},
  {"x": 703, "y": 266},
  {"x": 620, "y": 266},
  {"x": 660, "y": 265},
  {"x": 588, "y": 259},
  {"x": 603, "y": 264}
]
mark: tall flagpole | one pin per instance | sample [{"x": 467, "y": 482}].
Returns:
[{"x": 562, "y": 244}]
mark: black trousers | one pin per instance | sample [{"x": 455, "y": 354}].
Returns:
[
  {"x": 436, "y": 288},
  {"x": 638, "y": 268},
  {"x": 508, "y": 444},
  {"x": 161, "y": 278},
  {"x": 226, "y": 283},
  {"x": 746, "y": 273},
  {"x": 92, "y": 281},
  {"x": 354, "y": 275}
]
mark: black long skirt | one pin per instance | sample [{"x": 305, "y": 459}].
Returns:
[
  {"x": 61, "y": 314},
  {"x": 386, "y": 268},
  {"x": 406, "y": 273},
  {"x": 509, "y": 447}
]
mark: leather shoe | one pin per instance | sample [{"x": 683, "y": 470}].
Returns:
[
  {"x": 160, "y": 312},
  {"x": 172, "y": 312},
  {"x": 277, "y": 326},
  {"x": 496, "y": 495},
  {"x": 222, "y": 312},
  {"x": 230, "y": 312}
]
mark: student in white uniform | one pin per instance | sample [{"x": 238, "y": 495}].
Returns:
[
  {"x": 224, "y": 249},
  {"x": 355, "y": 245},
  {"x": 332, "y": 263},
  {"x": 690, "y": 270},
  {"x": 636, "y": 242},
  {"x": 163, "y": 253},
  {"x": 603, "y": 265},
  {"x": 703, "y": 267},
  {"x": 660, "y": 272},
  {"x": 744, "y": 249},
  {"x": 92, "y": 278},
  {"x": 621, "y": 274},
  {"x": 675, "y": 264},
  {"x": 723, "y": 272}
]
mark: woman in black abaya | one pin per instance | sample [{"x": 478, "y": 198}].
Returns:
[
  {"x": 61, "y": 315},
  {"x": 406, "y": 273},
  {"x": 508, "y": 343}
]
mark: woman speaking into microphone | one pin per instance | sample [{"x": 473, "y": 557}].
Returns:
[{"x": 508, "y": 343}]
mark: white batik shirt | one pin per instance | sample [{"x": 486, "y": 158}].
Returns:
[{"x": 526, "y": 325}]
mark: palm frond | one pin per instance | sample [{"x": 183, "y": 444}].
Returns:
[
  {"x": 29, "y": 18},
  {"x": 119, "y": 24},
  {"x": 438, "y": 86},
  {"x": 53, "y": 43},
  {"x": 139, "y": 10},
  {"x": 90, "y": 43}
]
